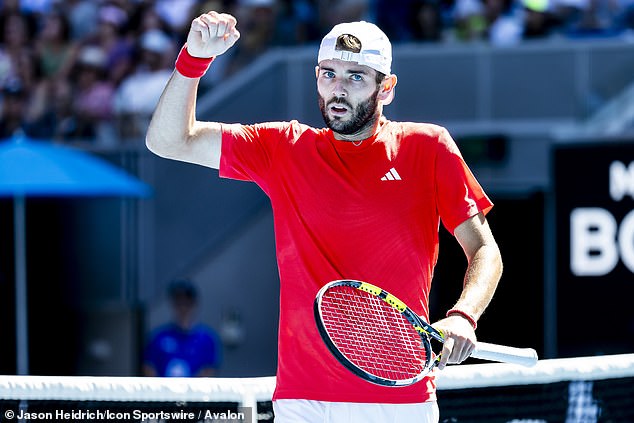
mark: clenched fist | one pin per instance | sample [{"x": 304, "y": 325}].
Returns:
[{"x": 211, "y": 34}]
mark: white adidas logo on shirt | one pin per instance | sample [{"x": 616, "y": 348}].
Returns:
[{"x": 392, "y": 175}]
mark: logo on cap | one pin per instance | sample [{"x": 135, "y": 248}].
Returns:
[{"x": 376, "y": 50}]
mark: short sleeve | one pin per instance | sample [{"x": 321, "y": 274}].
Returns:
[
  {"x": 248, "y": 150},
  {"x": 459, "y": 195}
]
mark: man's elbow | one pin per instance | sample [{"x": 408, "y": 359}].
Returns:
[
  {"x": 152, "y": 143},
  {"x": 500, "y": 262},
  {"x": 156, "y": 143},
  {"x": 495, "y": 258}
]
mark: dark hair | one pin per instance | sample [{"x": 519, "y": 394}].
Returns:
[
  {"x": 14, "y": 87},
  {"x": 348, "y": 42},
  {"x": 182, "y": 287}
]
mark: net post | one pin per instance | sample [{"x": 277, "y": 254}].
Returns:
[
  {"x": 21, "y": 318},
  {"x": 249, "y": 401}
]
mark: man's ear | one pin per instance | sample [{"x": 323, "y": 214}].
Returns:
[
  {"x": 317, "y": 71},
  {"x": 386, "y": 94}
]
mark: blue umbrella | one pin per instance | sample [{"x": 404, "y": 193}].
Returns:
[{"x": 36, "y": 168}]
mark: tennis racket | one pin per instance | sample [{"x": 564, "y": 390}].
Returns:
[{"x": 380, "y": 339}]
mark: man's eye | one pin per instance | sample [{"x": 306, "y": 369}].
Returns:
[
  {"x": 356, "y": 77},
  {"x": 329, "y": 74}
]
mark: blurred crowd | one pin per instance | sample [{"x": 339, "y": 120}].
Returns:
[{"x": 94, "y": 69}]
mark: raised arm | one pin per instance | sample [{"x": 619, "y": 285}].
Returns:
[
  {"x": 174, "y": 132},
  {"x": 483, "y": 272}
]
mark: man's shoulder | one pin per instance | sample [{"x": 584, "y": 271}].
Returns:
[
  {"x": 292, "y": 129},
  {"x": 281, "y": 124},
  {"x": 421, "y": 129},
  {"x": 203, "y": 329},
  {"x": 416, "y": 135}
]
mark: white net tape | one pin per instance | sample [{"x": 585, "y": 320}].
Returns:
[
  {"x": 247, "y": 392},
  {"x": 545, "y": 371},
  {"x": 105, "y": 388},
  {"x": 100, "y": 388}
]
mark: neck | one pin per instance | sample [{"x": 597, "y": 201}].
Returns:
[{"x": 185, "y": 323}]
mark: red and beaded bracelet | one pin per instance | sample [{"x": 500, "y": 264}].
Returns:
[
  {"x": 190, "y": 66},
  {"x": 463, "y": 314}
]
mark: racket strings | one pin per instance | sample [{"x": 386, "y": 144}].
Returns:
[{"x": 373, "y": 335}]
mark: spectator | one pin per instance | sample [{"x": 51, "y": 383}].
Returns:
[
  {"x": 17, "y": 58},
  {"x": 625, "y": 19},
  {"x": 592, "y": 18},
  {"x": 154, "y": 68},
  {"x": 505, "y": 23},
  {"x": 426, "y": 21},
  {"x": 110, "y": 38},
  {"x": 537, "y": 20},
  {"x": 83, "y": 16},
  {"x": 470, "y": 19},
  {"x": 94, "y": 93},
  {"x": 10, "y": 6},
  {"x": 146, "y": 18},
  {"x": 258, "y": 21},
  {"x": 391, "y": 15},
  {"x": 297, "y": 22},
  {"x": 38, "y": 7},
  {"x": 176, "y": 13},
  {"x": 13, "y": 108},
  {"x": 51, "y": 114},
  {"x": 54, "y": 47},
  {"x": 333, "y": 12},
  {"x": 182, "y": 348}
]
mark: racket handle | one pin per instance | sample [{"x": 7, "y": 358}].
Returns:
[{"x": 494, "y": 352}]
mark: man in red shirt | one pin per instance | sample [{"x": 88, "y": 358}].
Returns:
[{"x": 360, "y": 199}]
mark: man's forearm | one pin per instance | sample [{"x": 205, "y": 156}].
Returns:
[
  {"x": 481, "y": 279},
  {"x": 174, "y": 131}
]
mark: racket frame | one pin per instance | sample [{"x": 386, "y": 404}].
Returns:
[{"x": 424, "y": 330}]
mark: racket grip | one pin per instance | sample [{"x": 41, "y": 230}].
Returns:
[{"x": 502, "y": 353}]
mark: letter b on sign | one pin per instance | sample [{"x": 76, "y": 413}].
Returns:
[{"x": 597, "y": 241}]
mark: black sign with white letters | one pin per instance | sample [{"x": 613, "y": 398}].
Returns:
[{"x": 594, "y": 216}]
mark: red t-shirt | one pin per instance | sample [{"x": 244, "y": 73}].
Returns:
[{"x": 369, "y": 212}]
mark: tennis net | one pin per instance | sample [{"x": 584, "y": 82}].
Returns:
[
  {"x": 570, "y": 390},
  {"x": 573, "y": 390}
]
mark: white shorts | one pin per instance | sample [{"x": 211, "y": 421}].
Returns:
[{"x": 307, "y": 411}]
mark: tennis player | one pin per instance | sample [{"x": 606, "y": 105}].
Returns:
[{"x": 359, "y": 199}]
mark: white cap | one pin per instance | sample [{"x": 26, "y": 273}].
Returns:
[{"x": 376, "y": 50}]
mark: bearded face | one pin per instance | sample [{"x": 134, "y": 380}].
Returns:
[
  {"x": 347, "y": 119},
  {"x": 349, "y": 97}
]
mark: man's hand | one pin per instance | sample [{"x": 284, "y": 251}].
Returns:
[
  {"x": 212, "y": 34},
  {"x": 460, "y": 340}
]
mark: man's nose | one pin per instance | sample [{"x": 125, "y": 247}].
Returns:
[{"x": 338, "y": 89}]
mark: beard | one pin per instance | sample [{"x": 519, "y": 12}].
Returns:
[{"x": 363, "y": 116}]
